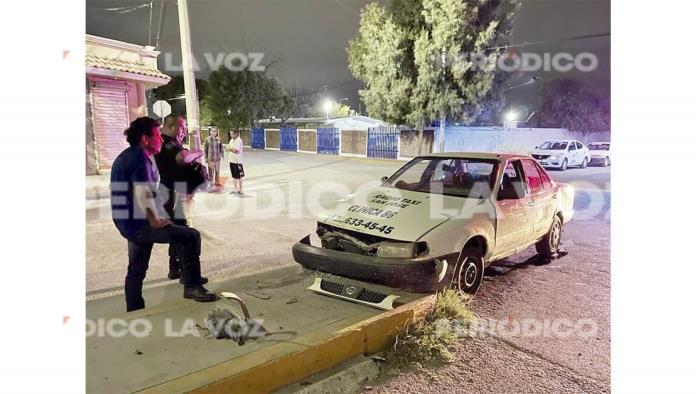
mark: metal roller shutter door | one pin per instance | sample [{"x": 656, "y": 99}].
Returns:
[{"x": 110, "y": 112}]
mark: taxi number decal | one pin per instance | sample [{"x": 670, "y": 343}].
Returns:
[{"x": 368, "y": 225}]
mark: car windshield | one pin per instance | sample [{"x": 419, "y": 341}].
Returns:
[
  {"x": 554, "y": 145},
  {"x": 466, "y": 177},
  {"x": 598, "y": 146}
]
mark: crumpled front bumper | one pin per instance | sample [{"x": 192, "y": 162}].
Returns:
[{"x": 420, "y": 274}]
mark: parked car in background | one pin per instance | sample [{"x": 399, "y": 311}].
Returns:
[
  {"x": 562, "y": 154},
  {"x": 439, "y": 221},
  {"x": 600, "y": 153}
]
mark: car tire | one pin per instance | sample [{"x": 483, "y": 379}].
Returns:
[
  {"x": 584, "y": 163},
  {"x": 547, "y": 247},
  {"x": 605, "y": 162},
  {"x": 564, "y": 165},
  {"x": 468, "y": 273}
]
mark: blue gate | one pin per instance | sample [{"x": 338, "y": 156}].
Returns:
[
  {"x": 383, "y": 142},
  {"x": 288, "y": 139},
  {"x": 328, "y": 139},
  {"x": 258, "y": 140}
]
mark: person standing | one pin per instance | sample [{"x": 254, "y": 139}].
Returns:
[
  {"x": 136, "y": 207},
  {"x": 213, "y": 154},
  {"x": 172, "y": 161},
  {"x": 235, "y": 147}
]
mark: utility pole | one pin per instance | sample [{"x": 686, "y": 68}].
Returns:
[{"x": 192, "y": 118}]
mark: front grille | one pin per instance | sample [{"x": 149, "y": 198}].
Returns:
[
  {"x": 371, "y": 296},
  {"x": 331, "y": 287},
  {"x": 541, "y": 157}
]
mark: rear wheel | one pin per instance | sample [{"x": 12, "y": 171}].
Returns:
[
  {"x": 584, "y": 163},
  {"x": 468, "y": 273},
  {"x": 605, "y": 162},
  {"x": 549, "y": 244}
]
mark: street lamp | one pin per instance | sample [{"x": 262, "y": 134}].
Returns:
[
  {"x": 511, "y": 115},
  {"x": 328, "y": 104}
]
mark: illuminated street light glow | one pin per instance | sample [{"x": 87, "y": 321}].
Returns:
[
  {"x": 511, "y": 115},
  {"x": 328, "y": 104}
]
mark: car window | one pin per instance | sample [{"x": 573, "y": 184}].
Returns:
[
  {"x": 545, "y": 180},
  {"x": 512, "y": 184},
  {"x": 580, "y": 145},
  {"x": 598, "y": 146},
  {"x": 572, "y": 146},
  {"x": 459, "y": 177},
  {"x": 554, "y": 145},
  {"x": 532, "y": 174}
]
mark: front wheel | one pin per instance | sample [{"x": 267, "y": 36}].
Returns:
[
  {"x": 468, "y": 273},
  {"x": 605, "y": 162},
  {"x": 564, "y": 165},
  {"x": 548, "y": 246}
]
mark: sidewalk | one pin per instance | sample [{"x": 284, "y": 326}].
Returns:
[{"x": 300, "y": 325}]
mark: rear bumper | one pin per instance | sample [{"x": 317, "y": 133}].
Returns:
[
  {"x": 418, "y": 273},
  {"x": 597, "y": 160}
]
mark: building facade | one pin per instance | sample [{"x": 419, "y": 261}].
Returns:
[{"x": 118, "y": 74}]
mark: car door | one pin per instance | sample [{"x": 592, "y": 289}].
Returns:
[
  {"x": 572, "y": 154},
  {"x": 514, "y": 211},
  {"x": 583, "y": 152},
  {"x": 540, "y": 190}
]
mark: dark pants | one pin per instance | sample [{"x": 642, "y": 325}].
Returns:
[
  {"x": 174, "y": 209},
  {"x": 187, "y": 243}
]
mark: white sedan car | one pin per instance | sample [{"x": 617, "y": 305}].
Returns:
[
  {"x": 600, "y": 153},
  {"x": 562, "y": 154},
  {"x": 439, "y": 221}
]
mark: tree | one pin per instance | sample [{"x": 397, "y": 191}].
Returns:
[
  {"x": 241, "y": 98},
  {"x": 572, "y": 104},
  {"x": 423, "y": 60},
  {"x": 174, "y": 89}
]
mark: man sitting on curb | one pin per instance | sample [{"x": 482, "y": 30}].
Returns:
[{"x": 135, "y": 211}]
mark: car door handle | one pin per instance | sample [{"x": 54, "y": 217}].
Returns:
[
  {"x": 555, "y": 196},
  {"x": 530, "y": 204}
]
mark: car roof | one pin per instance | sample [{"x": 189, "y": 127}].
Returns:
[
  {"x": 477, "y": 155},
  {"x": 600, "y": 142}
]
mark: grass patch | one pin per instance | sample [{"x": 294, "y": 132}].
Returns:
[{"x": 429, "y": 339}]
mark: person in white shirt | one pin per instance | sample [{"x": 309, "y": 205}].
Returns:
[{"x": 235, "y": 147}]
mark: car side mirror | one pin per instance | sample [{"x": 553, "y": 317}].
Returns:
[{"x": 384, "y": 179}]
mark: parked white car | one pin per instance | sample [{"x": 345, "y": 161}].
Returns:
[
  {"x": 600, "y": 153},
  {"x": 438, "y": 222},
  {"x": 562, "y": 154}
]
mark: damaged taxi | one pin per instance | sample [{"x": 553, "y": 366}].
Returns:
[{"x": 439, "y": 221}]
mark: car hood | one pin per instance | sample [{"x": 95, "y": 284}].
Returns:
[
  {"x": 549, "y": 152},
  {"x": 394, "y": 213}
]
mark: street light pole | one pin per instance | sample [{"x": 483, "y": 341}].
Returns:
[{"x": 192, "y": 116}]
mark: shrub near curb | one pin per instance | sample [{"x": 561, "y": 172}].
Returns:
[{"x": 423, "y": 341}]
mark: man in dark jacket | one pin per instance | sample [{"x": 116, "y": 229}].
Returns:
[
  {"x": 136, "y": 212},
  {"x": 172, "y": 161}
]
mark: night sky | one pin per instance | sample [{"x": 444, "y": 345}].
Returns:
[{"x": 307, "y": 39}]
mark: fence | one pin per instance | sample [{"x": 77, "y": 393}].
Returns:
[
  {"x": 383, "y": 142},
  {"x": 288, "y": 139},
  {"x": 328, "y": 140},
  {"x": 258, "y": 138}
]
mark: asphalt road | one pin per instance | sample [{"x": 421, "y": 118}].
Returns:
[{"x": 285, "y": 191}]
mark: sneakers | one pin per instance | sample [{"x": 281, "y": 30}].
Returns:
[{"x": 199, "y": 294}]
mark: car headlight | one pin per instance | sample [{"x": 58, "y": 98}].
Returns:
[
  {"x": 556, "y": 156},
  {"x": 404, "y": 250}
]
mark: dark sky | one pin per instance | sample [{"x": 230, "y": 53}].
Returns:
[{"x": 308, "y": 38}]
